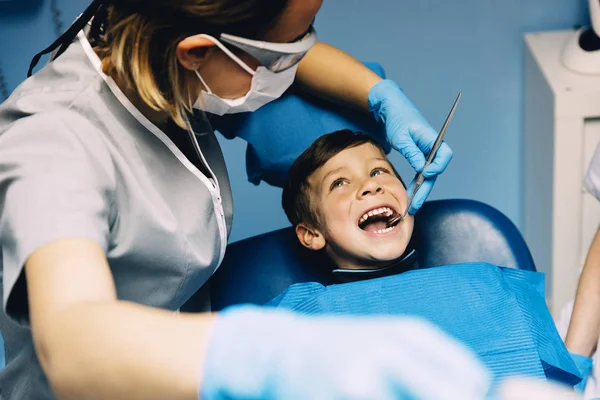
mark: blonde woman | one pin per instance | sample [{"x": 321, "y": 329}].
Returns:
[{"x": 115, "y": 208}]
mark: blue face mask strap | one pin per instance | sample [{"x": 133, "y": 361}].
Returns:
[{"x": 66, "y": 38}]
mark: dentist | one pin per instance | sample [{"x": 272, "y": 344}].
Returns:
[{"x": 115, "y": 207}]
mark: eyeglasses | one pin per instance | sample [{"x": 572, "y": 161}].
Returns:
[{"x": 276, "y": 57}]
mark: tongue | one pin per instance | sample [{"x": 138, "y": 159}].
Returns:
[{"x": 375, "y": 226}]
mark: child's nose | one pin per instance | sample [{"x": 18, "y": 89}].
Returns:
[{"x": 370, "y": 187}]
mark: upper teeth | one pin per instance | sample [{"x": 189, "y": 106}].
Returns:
[{"x": 383, "y": 210}]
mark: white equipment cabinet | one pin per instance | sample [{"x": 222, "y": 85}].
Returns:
[{"x": 562, "y": 130}]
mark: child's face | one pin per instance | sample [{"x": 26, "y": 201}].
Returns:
[{"x": 356, "y": 183}]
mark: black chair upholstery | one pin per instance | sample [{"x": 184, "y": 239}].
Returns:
[{"x": 446, "y": 232}]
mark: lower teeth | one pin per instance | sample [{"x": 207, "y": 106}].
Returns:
[{"x": 385, "y": 230}]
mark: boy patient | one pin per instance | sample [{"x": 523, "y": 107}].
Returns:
[{"x": 339, "y": 196}]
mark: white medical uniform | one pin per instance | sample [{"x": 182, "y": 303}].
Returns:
[{"x": 77, "y": 160}]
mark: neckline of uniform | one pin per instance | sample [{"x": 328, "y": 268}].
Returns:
[
  {"x": 128, "y": 105},
  {"x": 156, "y": 131}
]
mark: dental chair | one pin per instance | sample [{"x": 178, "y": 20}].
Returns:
[{"x": 257, "y": 269}]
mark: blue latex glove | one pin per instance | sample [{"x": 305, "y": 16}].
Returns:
[
  {"x": 585, "y": 366},
  {"x": 261, "y": 353},
  {"x": 410, "y": 134}
]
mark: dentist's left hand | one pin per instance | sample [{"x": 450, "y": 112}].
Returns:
[
  {"x": 409, "y": 133},
  {"x": 261, "y": 353}
]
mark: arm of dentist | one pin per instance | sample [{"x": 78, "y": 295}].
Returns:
[
  {"x": 334, "y": 75},
  {"x": 93, "y": 346}
]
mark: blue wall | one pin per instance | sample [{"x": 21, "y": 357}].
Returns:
[{"x": 433, "y": 48}]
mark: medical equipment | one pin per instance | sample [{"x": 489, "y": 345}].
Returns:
[
  {"x": 582, "y": 50},
  {"x": 419, "y": 179},
  {"x": 408, "y": 132}
]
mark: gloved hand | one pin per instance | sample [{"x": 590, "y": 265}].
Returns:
[
  {"x": 410, "y": 134},
  {"x": 585, "y": 366},
  {"x": 261, "y": 353}
]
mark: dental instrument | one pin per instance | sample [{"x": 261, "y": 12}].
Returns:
[{"x": 419, "y": 179}]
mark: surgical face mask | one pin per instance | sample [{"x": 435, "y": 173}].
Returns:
[{"x": 266, "y": 86}]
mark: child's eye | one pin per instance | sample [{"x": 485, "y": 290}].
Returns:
[
  {"x": 337, "y": 183},
  {"x": 379, "y": 171}
]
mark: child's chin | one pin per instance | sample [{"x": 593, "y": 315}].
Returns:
[{"x": 389, "y": 255}]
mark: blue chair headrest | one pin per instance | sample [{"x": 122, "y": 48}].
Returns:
[{"x": 446, "y": 232}]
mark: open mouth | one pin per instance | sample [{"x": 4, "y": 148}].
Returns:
[{"x": 375, "y": 220}]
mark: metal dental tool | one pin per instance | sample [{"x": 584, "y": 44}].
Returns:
[{"x": 430, "y": 157}]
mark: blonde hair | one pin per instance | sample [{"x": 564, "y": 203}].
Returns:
[{"x": 140, "y": 38}]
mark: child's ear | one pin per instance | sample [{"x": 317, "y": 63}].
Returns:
[{"x": 309, "y": 237}]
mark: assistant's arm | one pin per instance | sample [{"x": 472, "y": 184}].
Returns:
[
  {"x": 584, "y": 328},
  {"x": 93, "y": 346}
]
